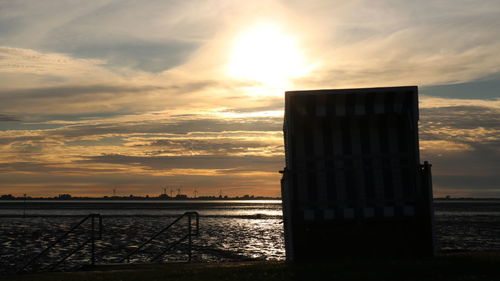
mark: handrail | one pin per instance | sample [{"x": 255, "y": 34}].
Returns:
[
  {"x": 70, "y": 254},
  {"x": 171, "y": 247},
  {"x": 61, "y": 238},
  {"x": 189, "y": 235}
]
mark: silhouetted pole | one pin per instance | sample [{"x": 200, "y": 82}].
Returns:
[
  {"x": 24, "y": 206},
  {"x": 189, "y": 237},
  {"x": 93, "y": 242}
]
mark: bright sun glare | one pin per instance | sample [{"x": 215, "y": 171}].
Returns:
[{"x": 266, "y": 54}]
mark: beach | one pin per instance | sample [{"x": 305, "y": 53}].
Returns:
[
  {"x": 229, "y": 230},
  {"x": 472, "y": 266}
]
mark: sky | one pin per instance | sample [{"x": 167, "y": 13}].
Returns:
[{"x": 139, "y": 96}]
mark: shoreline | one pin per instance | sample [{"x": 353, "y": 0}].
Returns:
[
  {"x": 247, "y": 231},
  {"x": 475, "y": 266}
]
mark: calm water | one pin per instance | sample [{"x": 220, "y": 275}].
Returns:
[{"x": 229, "y": 230}]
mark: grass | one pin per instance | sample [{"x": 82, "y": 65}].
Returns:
[{"x": 452, "y": 267}]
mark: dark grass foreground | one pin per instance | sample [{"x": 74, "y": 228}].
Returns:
[{"x": 453, "y": 267}]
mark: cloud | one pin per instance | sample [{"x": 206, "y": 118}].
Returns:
[
  {"x": 462, "y": 143},
  {"x": 21, "y": 139},
  {"x": 74, "y": 99},
  {"x": 137, "y": 94},
  {"x": 8, "y": 118},
  {"x": 243, "y": 163},
  {"x": 169, "y": 126},
  {"x": 56, "y": 169},
  {"x": 467, "y": 173},
  {"x": 436, "y": 102},
  {"x": 142, "y": 55},
  {"x": 87, "y": 96},
  {"x": 213, "y": 146},
  {"x": 71, "y": 91},
  {"x": 151, "y": 36},
  {"x": 453, "y": 135},
  {"x": 481, "y": 90},
  {"x": 39, "y": 84},
  {"x": 139, "y": 184},
  {"x": 358, "y": 43},
  {"x": 364, "y": 43},
  {"x": 22, "y": 61},
  {"x": 472, "y": 124}
]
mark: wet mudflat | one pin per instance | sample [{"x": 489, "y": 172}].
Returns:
[
  {"x": 475, "y": 266},
  {"x": 228, "y": 232}
]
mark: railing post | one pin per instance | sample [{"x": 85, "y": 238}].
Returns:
[
  {"x": 100, "y": 227},
  {"x": 197, "y": 216},
  {"x": 189, "y": 237},
  {"x": 92, "y": 237}
]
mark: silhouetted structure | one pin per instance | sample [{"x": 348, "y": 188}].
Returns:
[{"x": 353, "y": 183}]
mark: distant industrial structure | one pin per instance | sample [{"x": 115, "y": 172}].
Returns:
[{"x": 353, "y": 184}]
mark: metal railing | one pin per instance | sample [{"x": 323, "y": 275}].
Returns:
[
  {"x": 93, "y": 237},
  {"x": 190, "y": 233}
]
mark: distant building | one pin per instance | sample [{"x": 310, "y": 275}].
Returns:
[
  {"x": 7, "y": 197},
  {"x": 163, "y": 196},
  {"x": 64, "y": 196},
  {"x": 353, "y": 184}
]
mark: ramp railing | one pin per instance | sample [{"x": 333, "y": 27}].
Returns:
[
  {"x": 192, "y": 230},
  {"x": 94, "y": 234}
]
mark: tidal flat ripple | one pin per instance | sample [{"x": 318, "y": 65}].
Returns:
[
  {"x": 220, "y": 239},
  {"x": 228, "y": 231}
]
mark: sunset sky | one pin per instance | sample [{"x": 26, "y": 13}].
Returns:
[{"x": 143, "y": 95}]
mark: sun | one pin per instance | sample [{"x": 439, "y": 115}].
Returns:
[{"x": 266, "y": 54}]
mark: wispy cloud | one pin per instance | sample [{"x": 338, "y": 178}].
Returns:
[
  {"x": 8, "y": 118},
  {"x": 137, "y": 94}
]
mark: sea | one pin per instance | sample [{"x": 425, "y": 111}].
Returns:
[{"x": 228, "y": 230}]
